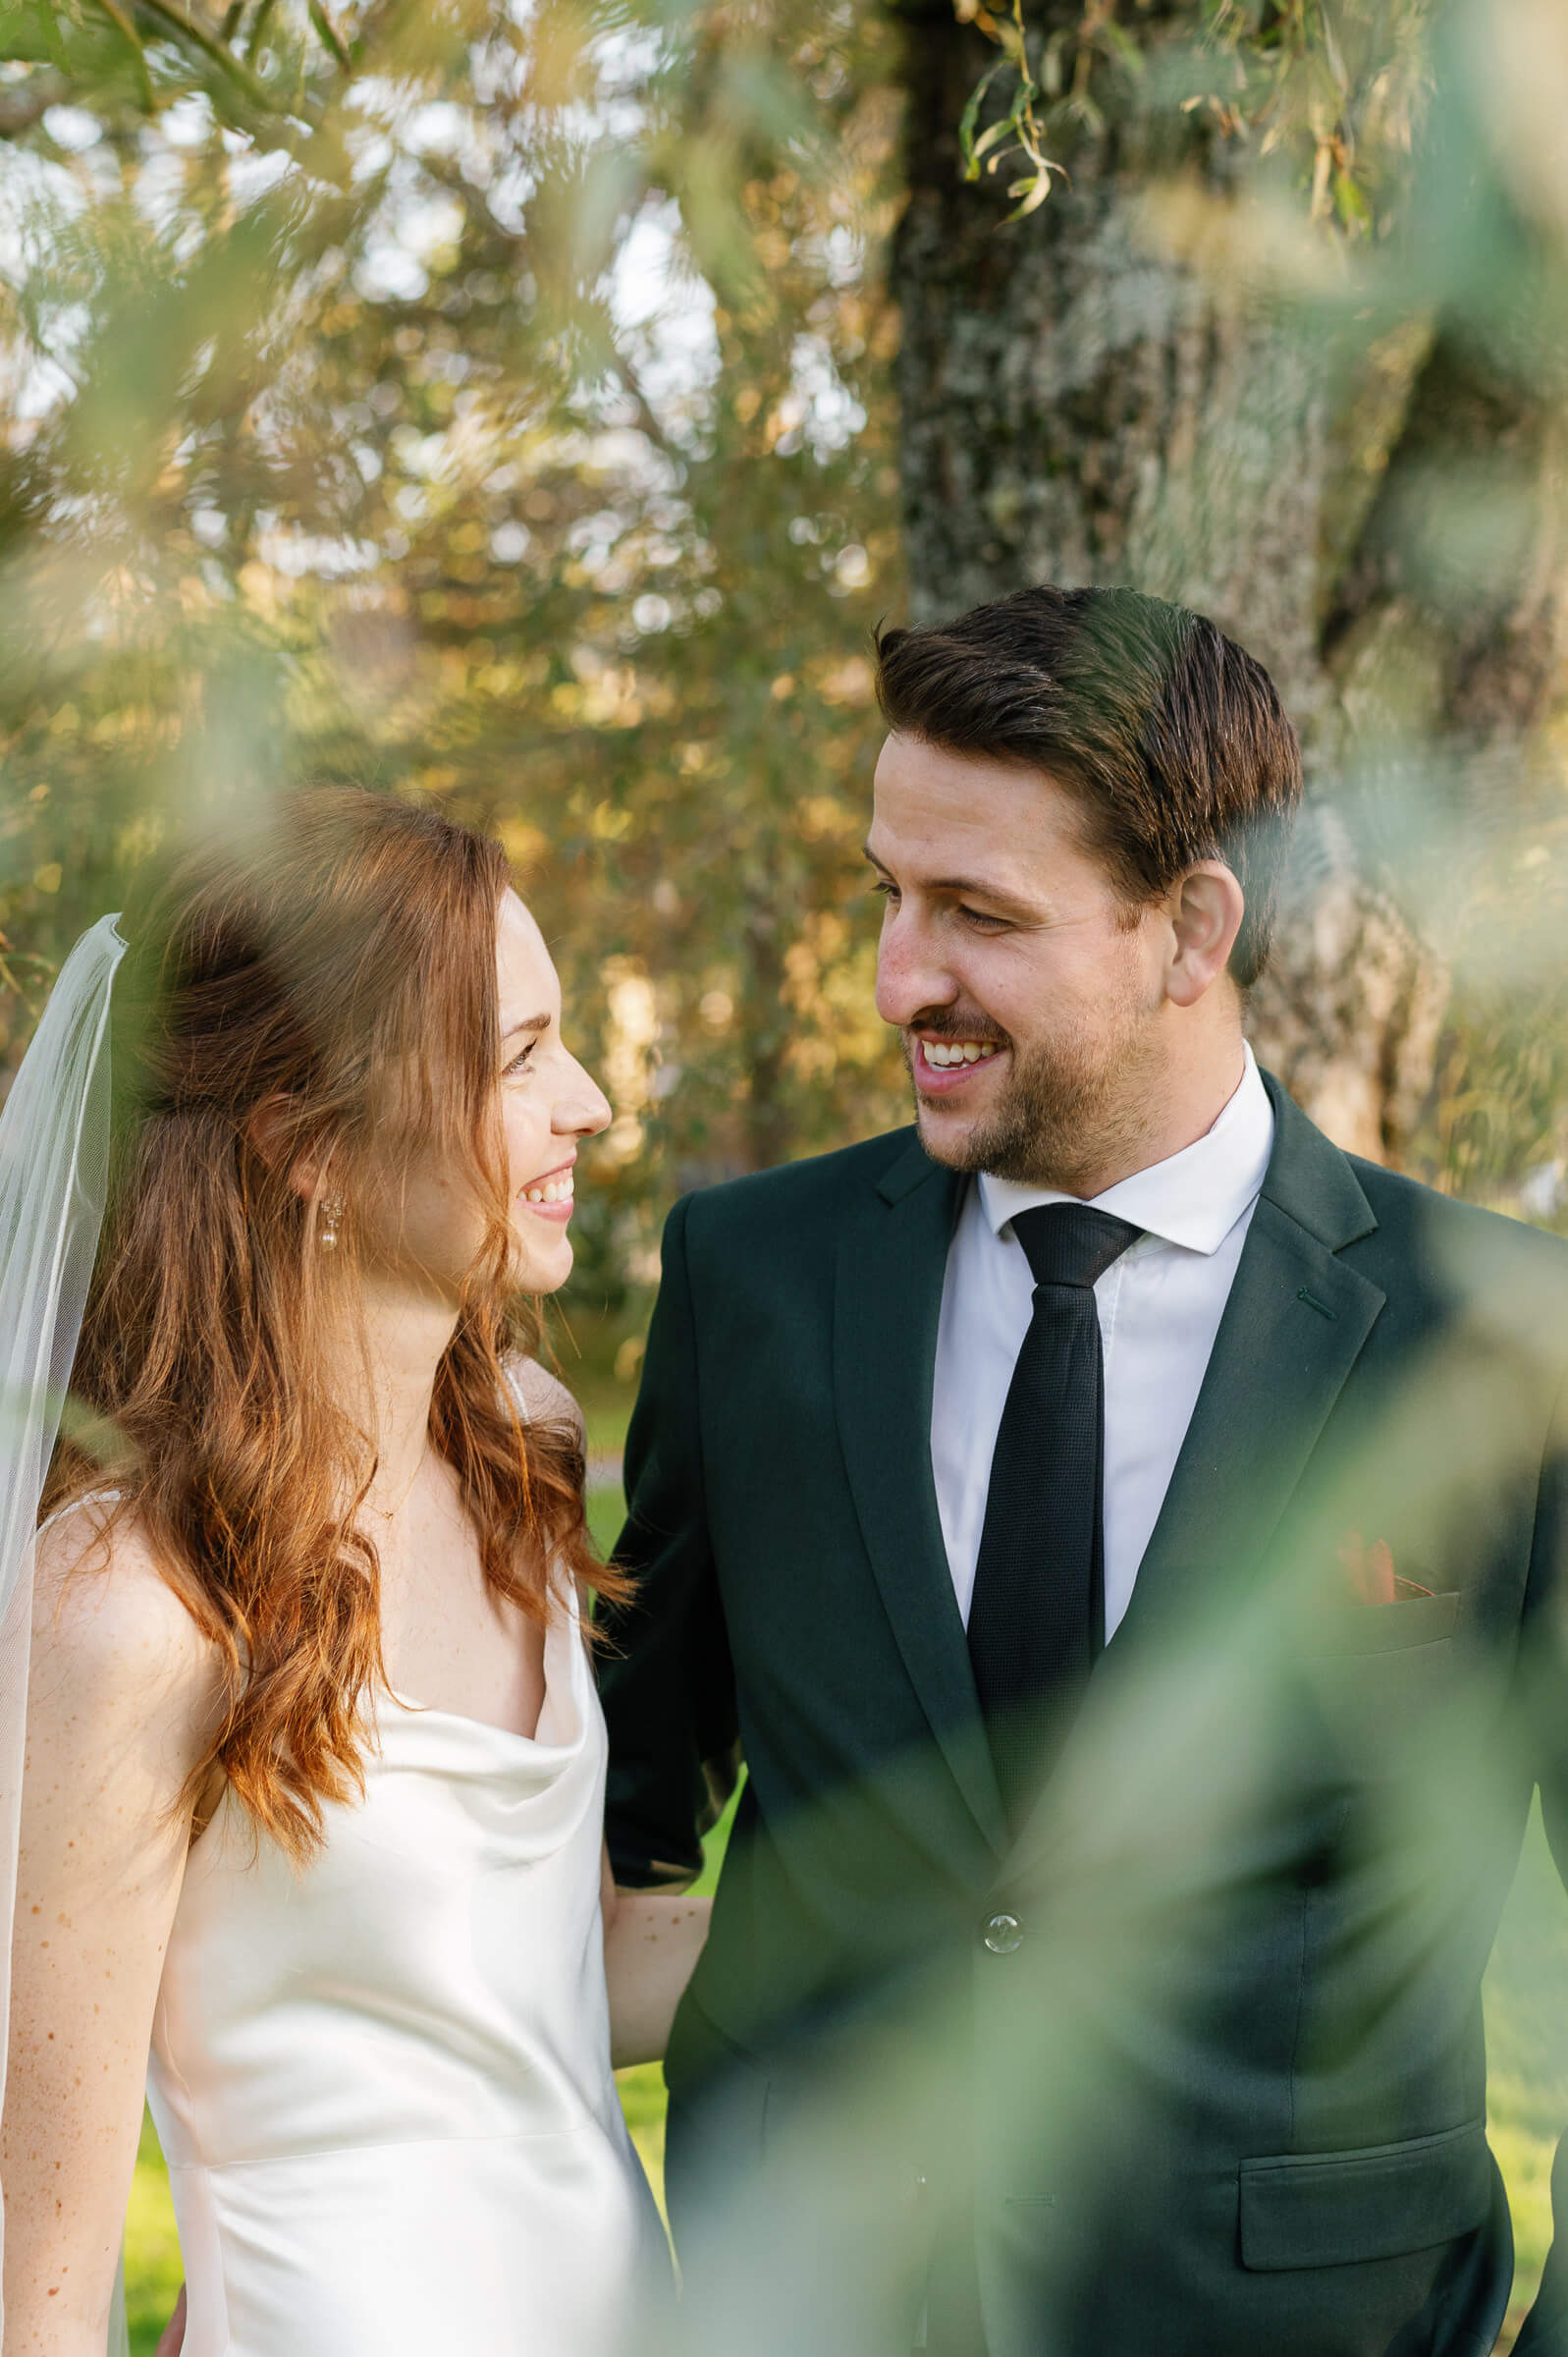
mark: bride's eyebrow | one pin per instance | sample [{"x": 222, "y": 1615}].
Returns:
[{"x": 527, "y": 1022}]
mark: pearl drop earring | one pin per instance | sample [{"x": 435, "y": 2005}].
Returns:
[{"x": 332, "y": 1208}]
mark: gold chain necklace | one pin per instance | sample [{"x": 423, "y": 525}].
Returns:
[{"x": 389, "y": 1513}]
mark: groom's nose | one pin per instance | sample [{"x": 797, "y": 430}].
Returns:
[{"x": 910, "y": 977}]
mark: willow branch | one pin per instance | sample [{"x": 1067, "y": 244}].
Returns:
[
  {"x": 330, "y": 35},
  {"x": 128, "y": 33},
  {"x": 211, "y": 47}
]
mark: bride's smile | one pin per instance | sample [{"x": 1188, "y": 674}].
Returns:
[{"x": 554, "y": 1194}]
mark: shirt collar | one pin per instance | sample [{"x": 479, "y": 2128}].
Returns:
[{"x": 1193, "y": 1198}]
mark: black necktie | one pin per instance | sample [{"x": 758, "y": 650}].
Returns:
[{"x": 1037, "y": 1616}]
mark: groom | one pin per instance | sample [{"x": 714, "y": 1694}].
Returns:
[{"x": 1125, "y": 1541}]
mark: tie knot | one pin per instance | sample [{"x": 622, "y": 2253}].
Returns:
[{"x": 1069, "y": 1243}]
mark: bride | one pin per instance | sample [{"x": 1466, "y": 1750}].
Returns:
[{"x": 309, "y": 1836}]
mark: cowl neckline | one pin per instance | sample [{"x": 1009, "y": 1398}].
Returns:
[{"x": 558, "y": 1730}]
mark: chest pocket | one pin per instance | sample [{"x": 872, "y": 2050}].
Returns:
[
  {"x": 1380, "y": 1684},
  {"x": 1375, "y": 1628}
]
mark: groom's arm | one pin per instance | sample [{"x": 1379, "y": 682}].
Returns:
[
  {"x": 1544, "y": 1662},
  {"x": 667, "y": 1682}
]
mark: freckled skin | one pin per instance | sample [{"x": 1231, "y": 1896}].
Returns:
[
  {"x": 644, "y": 1989},
  {"x": 119, "y": 1686},
  {"x": 123, "y": 1693}
]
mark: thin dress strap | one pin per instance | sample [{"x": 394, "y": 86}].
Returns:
[
  {"x": 515, "y": 1388},
  {"x": 73, "y": 1506}
]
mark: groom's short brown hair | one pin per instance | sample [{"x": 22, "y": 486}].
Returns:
[{"x": 1173, "y": 739}]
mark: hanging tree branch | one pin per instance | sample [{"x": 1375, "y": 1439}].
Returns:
[
  {"x": 1291, "y": 82},
  {"x": 224, "y": 47},
  {"x": 330, "y": 35},
  {"x": 128, "y": 33},
  {"x": 189, "y": 29}
]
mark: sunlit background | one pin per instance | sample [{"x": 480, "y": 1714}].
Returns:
[{"x": 537, "y": 407}]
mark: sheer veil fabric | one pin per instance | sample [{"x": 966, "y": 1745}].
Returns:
[{"x": 54, "y": 1158}]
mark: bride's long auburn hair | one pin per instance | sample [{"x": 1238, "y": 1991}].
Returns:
[{"x": 339, "y": 971}]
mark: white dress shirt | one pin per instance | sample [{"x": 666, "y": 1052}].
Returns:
[{"x": 1160, "y": 1309}]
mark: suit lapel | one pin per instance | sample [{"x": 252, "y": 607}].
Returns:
[
  {"x": 1293, "y": 1328},
  {"x": 1295, "y": 1324},
  {"x": 892, "y": 1257}
]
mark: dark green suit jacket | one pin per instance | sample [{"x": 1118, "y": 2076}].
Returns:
[{"x": 1197, "y": 2059}]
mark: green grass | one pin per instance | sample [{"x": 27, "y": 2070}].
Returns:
[
  {"x": 153, "y": 2271},
  {"x": 605, "y": 1516},
  {"x": 586, "y": 1363}
]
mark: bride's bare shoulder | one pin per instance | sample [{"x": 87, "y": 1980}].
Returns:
[
  {"x": 545, "y": 1397},
  {"x": 110, "y": 1635}
]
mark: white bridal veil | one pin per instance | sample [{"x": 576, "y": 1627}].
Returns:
[{"x": 54, "y": 1152}]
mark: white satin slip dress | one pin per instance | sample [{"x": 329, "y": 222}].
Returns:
[{"x": 382, "y": 2084}]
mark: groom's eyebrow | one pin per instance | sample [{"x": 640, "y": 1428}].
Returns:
[
  {"x": 963, "y": 888},
  {"x": 526, "y": 1022}
]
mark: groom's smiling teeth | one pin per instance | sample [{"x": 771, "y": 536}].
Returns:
[
  {"x": 551, "y": 1190},
  {"x": 940, "y": 1052}
]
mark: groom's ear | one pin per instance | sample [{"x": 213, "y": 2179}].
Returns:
[{"x": 1207, "y": 906}]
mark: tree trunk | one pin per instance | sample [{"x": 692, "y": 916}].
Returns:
[{"x": 1101, "y": 394}]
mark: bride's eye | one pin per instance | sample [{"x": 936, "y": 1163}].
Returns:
[{"x": 519, "y": 1061}]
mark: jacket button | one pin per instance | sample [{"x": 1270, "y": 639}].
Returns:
[{"x": 1004, "y": 1934}]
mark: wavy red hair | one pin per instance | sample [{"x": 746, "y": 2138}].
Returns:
[{"x": 339, "y": 965}]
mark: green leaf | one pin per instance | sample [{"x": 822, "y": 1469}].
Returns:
[
  {"x": 993, "y": 136},
  {"x": 1350, "y": 203},
  {"x": 31, "y": 34},
  {"x": 133, "y": 40},
  {"x": 1033, "y": 189},
  {"x": 971, "y": 116}
]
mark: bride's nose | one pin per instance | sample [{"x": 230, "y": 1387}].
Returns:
[{"x": 583, "y": 1108}]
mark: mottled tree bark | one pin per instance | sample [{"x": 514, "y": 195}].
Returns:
[{"x": 1101, "y": 394}]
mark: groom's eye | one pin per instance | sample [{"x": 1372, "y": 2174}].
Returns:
[{"x": 978, "y": 917}]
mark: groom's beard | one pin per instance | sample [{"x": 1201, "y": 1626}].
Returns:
[{"x": 1070, "y": 1106}]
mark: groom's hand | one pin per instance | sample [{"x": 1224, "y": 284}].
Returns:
[{"x": 172, "y": 2339}]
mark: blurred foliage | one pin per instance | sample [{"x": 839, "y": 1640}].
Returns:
[
  {"x": 497, "y": 416},
  {"x": 1496, "y": 1127},
  {"x": 496, "y": 402},
  {"x": 1337, "y": 93}
]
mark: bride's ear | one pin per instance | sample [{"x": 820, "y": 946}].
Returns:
[{"x": 269, "y": 1130}]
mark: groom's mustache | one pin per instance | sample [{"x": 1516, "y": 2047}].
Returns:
[{"x": 947, "y": 1025}]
